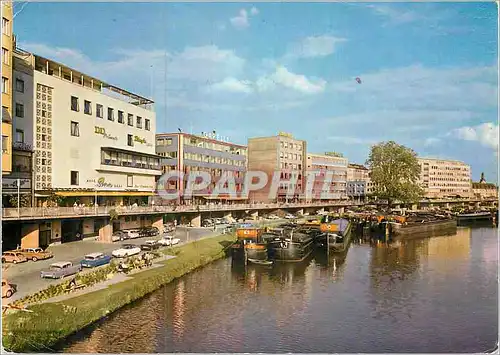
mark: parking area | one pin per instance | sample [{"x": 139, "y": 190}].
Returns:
[{"x": 27, "y": 275}]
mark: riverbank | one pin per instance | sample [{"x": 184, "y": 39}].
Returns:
[{"x": 51, "y": 322}]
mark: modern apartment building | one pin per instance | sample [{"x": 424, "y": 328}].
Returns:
[
  {"x": 205, "y": 153},
  {"x": 282, "y": 154},
  {"x": 445, "y": 178},
  {"x": 7, "y": 45},
  {"x": 359, "y": 184},
  {"x": 92, "y": 141},
  {"x": 328, "y": 164}
]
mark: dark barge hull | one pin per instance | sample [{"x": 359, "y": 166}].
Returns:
[
  {"x": 295, "y": 252},
  {"x": 430, "y": 228},
  {"x": 238, "y": 253}
]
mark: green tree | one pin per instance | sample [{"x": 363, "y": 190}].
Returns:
[
  {"x": 24, "y": 200},
  {"x": 394, "y": 171},
  {"x": 54, "y": 200}
]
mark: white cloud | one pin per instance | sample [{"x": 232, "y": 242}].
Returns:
[
  {"x": 287, "y": 79},
  {"x": 233, "y": 85},
  {"x": 240, "y": 21},
  {"x": 485, "y": 133},
  {"x": 314, "y": 46},
  {"x": 395, "y": 15}
]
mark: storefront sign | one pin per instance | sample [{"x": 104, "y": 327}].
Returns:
[
  {"x": 9, "y": 183},
  {"x": 101, "y": 182},
  {"x": 102, "y": 131},
  {"x": 139, "y": 139},
  {"x": 144, "y": 186},
  {"x": 284, "y": 134}
]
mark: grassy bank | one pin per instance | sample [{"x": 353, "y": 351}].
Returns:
[{"x": 51, "y": 322}]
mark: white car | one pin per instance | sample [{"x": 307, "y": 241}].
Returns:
[
  {"x": 290, "y": 216},
  {"x": 272, "y": 216},
  {"x": 131, "y": 233},
  {"x": 126, "y": 250},
  {"x": 168, "y": 241}
]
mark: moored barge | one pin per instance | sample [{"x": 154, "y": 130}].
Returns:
[
  {"x": 294, "y": 247},
  {"x": 249, "y": 245},
  {"x": 336, "y": 234}
]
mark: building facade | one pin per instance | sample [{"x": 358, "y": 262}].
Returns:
[
  {"x": 93, "y": 142},
  {"x": 484, "y": 190},
  {"x": 327, "y": 164},
  {"x": 7, "y": 45},
  {"x": 281, "y": 154},
  {"x": 188, "y": 153},
  {"x": 359, "y": 184},
  {"x": 442, "y": 178}
]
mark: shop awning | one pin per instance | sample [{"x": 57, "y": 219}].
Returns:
[{"x": 104, "y": 193}]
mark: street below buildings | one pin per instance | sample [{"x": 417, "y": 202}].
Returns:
[{"x": 27, "y": 275}]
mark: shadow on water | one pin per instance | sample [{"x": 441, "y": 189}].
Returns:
[{"x": 436, "y": 294}]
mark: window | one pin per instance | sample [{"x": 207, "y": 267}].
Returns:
[
  {"x": 87, "y": 107},
  {"x": 74, "y": 104},
  {"x": 120, "y": 117},
  {"x": 130, "y": 140},
  {"x": 130, "y": 119},
  {"x": 19, "y": 110},
  {"x": 139, "y": 122},
  {"x": 75, "y": 129},
  {"x": 98, "y": 109},
  {"x": 19, "y": 85},
  {"x": 111, "y": 115},
  {"x": 5, "y": 26},
  {"x": 5, "y": 114},
  {"x": 5, "y": 56},
  {"x": 19, "y": 136},
  {"x": 44, "y": 137},
  {"x": 5, "y": 144},
  {"x": 74, "y": 177},
  {"x": 147, "y": 124},
  {"x": 130, "y": 181},
  {"x": 5, "y": 85}
]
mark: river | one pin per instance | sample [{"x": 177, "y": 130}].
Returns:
[{"x": 436, "y": 294}]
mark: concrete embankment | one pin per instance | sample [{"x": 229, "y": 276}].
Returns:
[{"x": 49, "y": 323}]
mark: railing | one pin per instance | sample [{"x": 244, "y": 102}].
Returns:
[{"x": 53, "y": 212}]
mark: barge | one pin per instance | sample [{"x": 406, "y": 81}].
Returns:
[
  {"x": 336, "y": 234},
  {"x": 249, "y": 245},
  {"x": 292, "y": 248}
]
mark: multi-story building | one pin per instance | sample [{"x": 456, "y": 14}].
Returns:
[
  {"x": 208, "y": 153},
  {"x": 328, "y": 164},
  {"x": 359, "y": 184},
  {"x": 445, "y": 178},
  {"x": 282, "y": 154},
  {"x": 7, "y": 45},
  {"x": 92, "y": 141}
]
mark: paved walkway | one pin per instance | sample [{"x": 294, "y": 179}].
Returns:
[{"x": 117, "y": 278}]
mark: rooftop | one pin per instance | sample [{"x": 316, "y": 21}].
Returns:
[
  {"x": 357, "y": 166},
  {"x": 202, "y": 137},
  {"x": 58, "y": 70}
]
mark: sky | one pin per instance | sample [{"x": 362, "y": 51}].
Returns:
[{"x": 428, "y": 71}]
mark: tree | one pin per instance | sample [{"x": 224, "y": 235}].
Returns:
[
  {"x": 24, "y": 200},
  {"x": 395, "y": 172},
  {"x": 54, "y": 200}
]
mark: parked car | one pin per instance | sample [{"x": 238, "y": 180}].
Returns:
[
  {"x": 168, "y": 228},
  {"x": 171, "y": 240},
  {"x": 272, "y": 216},
  {"x": 119, "y": 236},
  {"x": 126, "y": 250},
  {"x": 149, "y": 232},
  {"x": 290, "y": 216},
  {"x": 131, "y": 233},
  {"x": 95, "y": 259},
  {"x": 14, "y": 257},
  {"x": 207, "y": 223},
  {"x": 165, "y": 241},
  {"x": 8, "y": 289},
  {"x": 60, "y": 270},
  {"x": 150, "y": 245},
  {"x": 35, "y": 254}
]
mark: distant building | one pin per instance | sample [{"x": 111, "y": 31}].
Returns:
[
  {"x": 281, "y": 154},
  {"x": 328, "y": 164},
  {"x": 7, "y": 86},
  {"x": 484, "y": 190},
  {"x": 445, "y": 178},
  {"x": 209, "y": 153},
  {"x": 359, "y": 184}
]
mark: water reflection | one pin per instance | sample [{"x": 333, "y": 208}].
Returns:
[{"x": 423, "y": 295}]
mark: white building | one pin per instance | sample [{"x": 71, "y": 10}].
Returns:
[
  {"x": 90, "y": 138},
  {"x": 445, "y": 178}
]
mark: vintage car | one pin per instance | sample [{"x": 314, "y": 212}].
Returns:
[
  {"x": 35, "y": 254},
  {"x": 119, "y": 236},
  {"x": 13, "y": 257},
  {"x": 148, "y": 232},
  {"x": 126, "y": 250},
  {"x": 168, "y": 241},
  {"x": 150, "y": 245},
  {"x": 95, "y": 259},
  {"x": 60, "y": 270},
  {"x": 8, "y": 289}
]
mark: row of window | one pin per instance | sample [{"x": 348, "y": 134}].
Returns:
[
  {"x": 75, "y": 132},
  {"x": 290, "y": 156},
  {"x": 87, "y": 109},
  {"x": 129, "y": 160},
  {"x": 212, "y": 159},
  {"x": 284, "y": 165},
  {"x": 195, "y": 142},
  {"x": 288, "y": 145}
]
